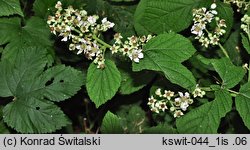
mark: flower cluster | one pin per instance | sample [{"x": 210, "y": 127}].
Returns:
[
  {"x": 176, "y": 103},
  {"x": 202, "y": 18},
  {"x": 239, "y": 3},
  {"x": 81, "y": 30},
  {"x": 245, "y": 26},
  {"x": 132, "y": 47}
]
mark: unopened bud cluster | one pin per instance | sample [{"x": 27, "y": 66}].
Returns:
[
  {"x": 239, "y": 3},
  {"x": 81, "y": 30},
  {"x": 175, "y": 103},
  {"x": 132, "y": 47},
  {"x": 245, "y": 26},
  {"x": 202, "y": 18}
]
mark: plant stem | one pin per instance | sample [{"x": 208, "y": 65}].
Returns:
[
  {"x": 248, "y": 72},
  {"x": 223, "y": 50},
  {"x": 106, "y": 45},
  {"x": 101, "y": 41},
  {"x": 234, "y": 92}
]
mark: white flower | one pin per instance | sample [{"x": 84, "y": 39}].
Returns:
[
  {"x": 213, "y": 6},
  {"x": 184, "y": 105},
  {"x": 154, "y": 109},
  {"x": 158, "y": 92},
  {"x": 197, "y": 29},
  {"x": 198, "y": 92},
  {"x": 168, "y": 94},
  {"x": 136, "y": 55},
  {"x": 151, "y": 101},
  {"x": 58, "y": 5},
  {"x": 186, "y": 96},
  {"x": 161, "y": 105},
  {"x": 178, "y": 113},
  {"x": 92, "y": 19},
  {"x": 107, "y": 24}
]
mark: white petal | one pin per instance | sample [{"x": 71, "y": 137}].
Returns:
[
  {"x": 213, "y": 6},
  {"x": 140, "y": 55},
  {"x": 136, "y": 60}
]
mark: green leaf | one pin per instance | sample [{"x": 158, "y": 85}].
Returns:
[
  {"x": 133, "y": 81},
  {"x": 40, "y": 7},
  {"x": 206, "y": 118},
  {"x": 243, "y": 103},
  {"x": 245, "y": 43},
  {"x": 10, "y": 7},
  {"x": 159, "y": 16},
  {"x": 121, "y": 15},
  {"x": 133, "y": 119},
  {"x": 165, "y": 53},
  {"x": 231, "y": 45},
  {"x": 34, "y": 33},
  {"x": 160, "y": 129},
  {"x": 102, "y": 84},
  {"x": 231, "y": 75},
  {"x": 43, "y": 8},
  {"x": 111, "y": 124},
  {"x": 3, "y": 127},
  {"x": 32, "y": 109},
  {"x": 122, "y": 0},
  {"x": 34, "y": 116}
]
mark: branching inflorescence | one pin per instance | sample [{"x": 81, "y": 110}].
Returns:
[
  {"x": 239, "y": 3},
  {"x": 203, "y": 17},
  {"x": 84, "y": 31},
  {"x": 176, "y": 103},
  {"x": 245, "y": 26}
]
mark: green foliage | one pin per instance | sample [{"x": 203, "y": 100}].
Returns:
[
  {"x": 160, "y": 129},
  {"x": 111, "y": 124},
  {"x": 40, "y": 7},
  {"x": 225, "y": 11},
  {"x": 34, "y": 33},
  {"x": 243, "y": 103},
  {"x": 134, "y": 81},
  {"x": 43, "y": 8},
  {"x": 230, "y": 74},
  {"x": 102, "y": 84},
  {"x": 3, "y": 127},
  {"x": 159, "y": 16},
  {"x": 133, "y": 119},
  {"x": 165, "y": 53},
  {"x": 231, "y": 45},
  {"x": 206, "y": 118},
  {"x": 245, "y": 43},
  {"x": 32, "y": 109},
  {"x": 10, "y": 7}
]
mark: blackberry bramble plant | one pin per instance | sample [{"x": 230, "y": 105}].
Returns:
[{"x": 125, "y": 66}]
